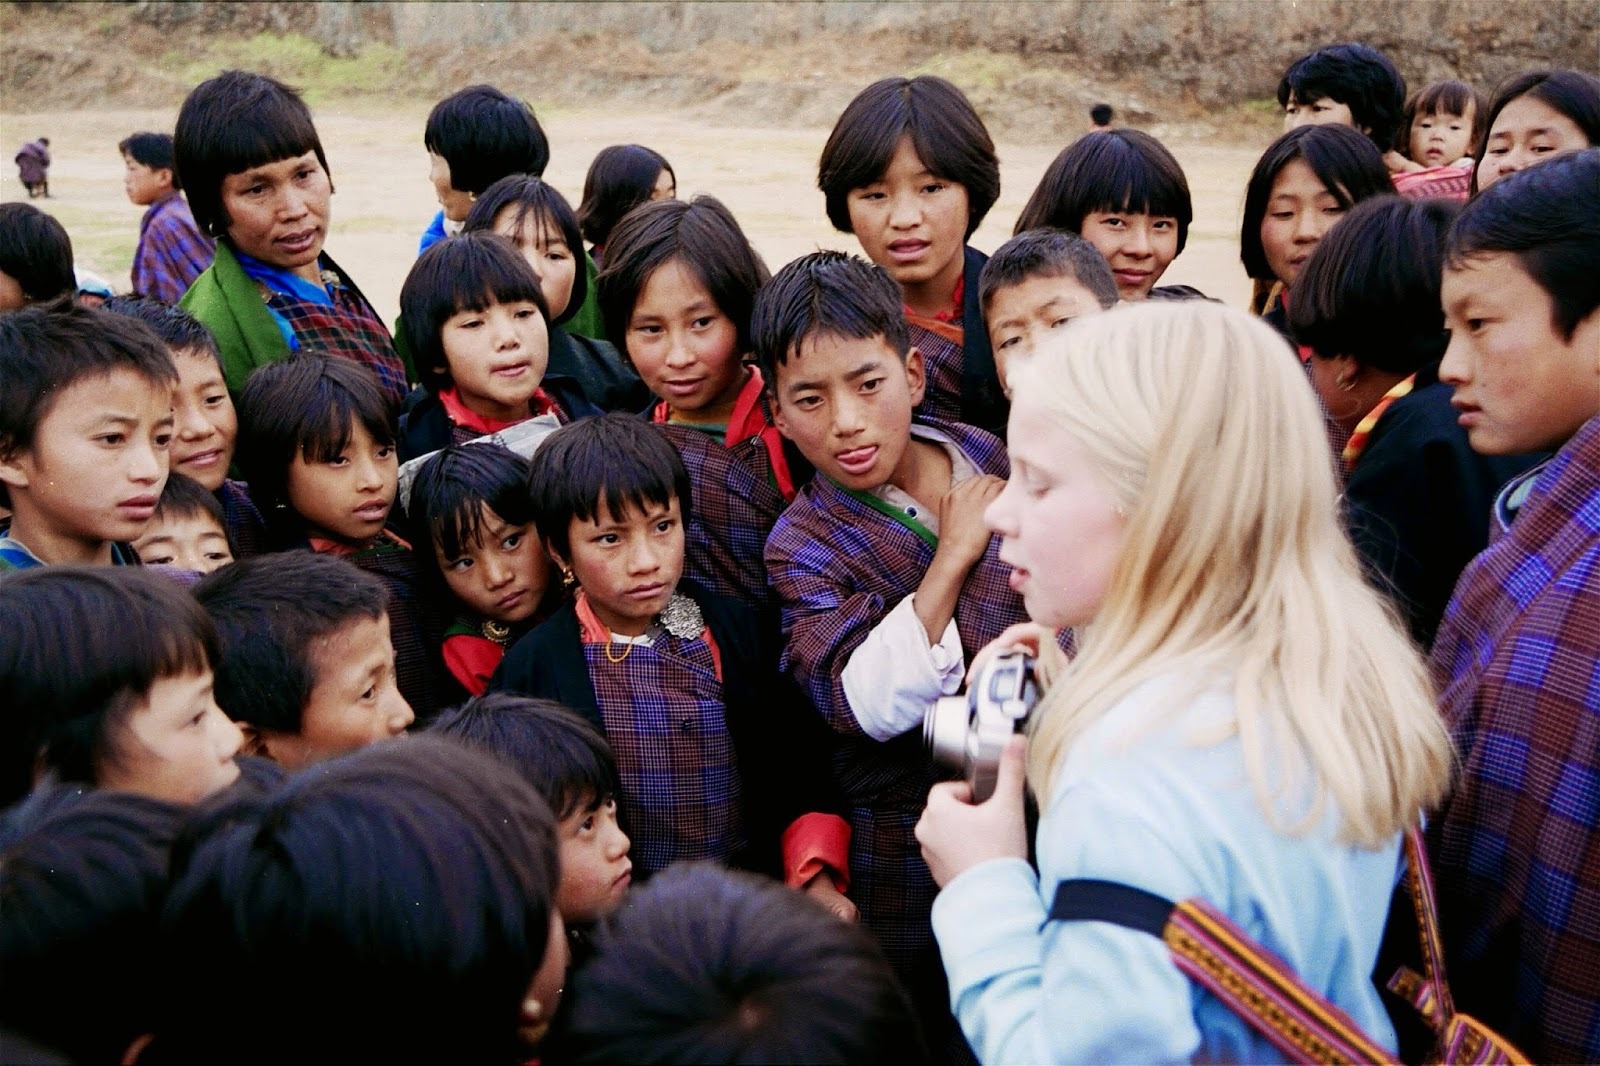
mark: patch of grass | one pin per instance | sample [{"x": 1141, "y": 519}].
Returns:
[
  {"x": 298, "y": 60},
  {"x": 1267, "y": 108},
  {"x": 973, "y": 69}
]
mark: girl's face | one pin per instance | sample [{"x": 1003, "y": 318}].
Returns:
[
  {"x": 202, "y": 446},
  {"x": 502, "y": 575},
  {"x": 1062, "y": 532},
  {"x": 1138, "y": 247},
  {"x": 666, "y": 187},
  {"x": 176, "y": 746},
  {"x": 1439, "y": 138},
  {"x": 628, "y": 565},
  {"x": 1525, "y": 132},
  {"x": 544, "y": 248},
  {"x": 348, "y": 498},
  {"x": 1300, "y": 209},
  {"x": 278, "y": 212},
  {"x": 913, "y": 223},
  {"x": 497, "y": 357},
  {"x": 682, "y": 344},
  {"x": 456, "y": 204}
]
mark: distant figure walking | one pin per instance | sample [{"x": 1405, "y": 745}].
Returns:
[
  {"x": 33, "y": 167},
  {"x": 1100, "y": 116}
]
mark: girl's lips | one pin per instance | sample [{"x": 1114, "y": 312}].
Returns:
[
  {"x": 373, "y": 512},
  {"x": 510, "y": 600},
  {"x": 515, "y": 370},
  {"x": 682, "y": 388},
  {"x": 202, "y": 459},
  {"x": 857, "y": 461},
  {"x": 908, "y": 251},
  {"x": 645, "y": 592}
]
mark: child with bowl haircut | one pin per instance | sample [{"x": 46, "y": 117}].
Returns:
[
  {"x": 621, "y": 178},
  {"x": 305, "y": 665},
  {"x": 536, "y": 218},
  {"x": 188, "y": 530},
  {"x": 172, "y": 251},
  {"x": 1123, "y": 192},
  {"x": 1345, "y": 85},
  {"x": 317, "y": 445},
  {"x": 475, "y": 137},
  {"x": 131, "y": 707},
  {"x": 1036, "y": 282},
  {"x": 911, "y": 171},
  {"x": 477, "y": 326},
  {"x": 471, "y": 503},
  {"x": 888, "y": 579},
  {"x": 258, "y": 182},
  {"x": 1443, "y": 126},
  {"x": 207, "y": 425},
  {"x": 718, "y": 756},
  {"x": 398, "y": 905},
  {"x": 85, "y": 428}
]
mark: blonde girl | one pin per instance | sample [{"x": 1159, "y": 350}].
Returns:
[{"x": 1245, "y": 720}]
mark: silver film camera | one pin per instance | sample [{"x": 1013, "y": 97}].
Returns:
[{"x": 968, "y": 731}]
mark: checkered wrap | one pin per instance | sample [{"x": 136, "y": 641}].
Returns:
[
  {"x": 416, "y": 625},
  {"x": 944, "y": 362},
  {"x": 665, "y": 719},
  {"x": 735, "y": 505},
  {"x": 838, "y": 566},
  {"x": 1516, "y": 848},
  {"x": 349, "y": 328}
]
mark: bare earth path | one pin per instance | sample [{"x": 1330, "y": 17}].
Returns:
[{"x": 766, "y": 176}]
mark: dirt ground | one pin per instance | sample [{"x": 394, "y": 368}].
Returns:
[{"x": 766, "y": 176}]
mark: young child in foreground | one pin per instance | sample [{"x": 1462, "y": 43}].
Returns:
[
  {"x": 717, "y": 756},
  {"x": 888, "y": 579},
  {"x": 86, "y": 424},
  {"x": 305, "y": 665},
  {"x": 317, "y": 445},
  {"x": 1035, "y": 283}
]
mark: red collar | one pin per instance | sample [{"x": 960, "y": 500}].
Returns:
[
  {"x": 462, "y": 415},
  {"x": 954, "y": 311}
]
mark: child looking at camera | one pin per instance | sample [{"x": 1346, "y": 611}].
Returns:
[
  {"x": 1037, "y": 282},
  {"x": 1442, "y": 127}
]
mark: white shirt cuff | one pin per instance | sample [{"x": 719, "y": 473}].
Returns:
[{"x": 895, "y": 675}]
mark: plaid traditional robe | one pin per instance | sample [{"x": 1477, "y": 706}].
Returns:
[
  {"x": 838, "y": 565},
  {"x": 349, "y": 327},
  {"x": 246, "y": 531},
  {"x": 172, "y": 251},
  {"x": 1516, "y": 848},
  {"x": 963, "y": 385}
]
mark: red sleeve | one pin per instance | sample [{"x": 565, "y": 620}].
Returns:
[
  {"x": 813, "y": 843},
  {"x": 472, "y": 661}
]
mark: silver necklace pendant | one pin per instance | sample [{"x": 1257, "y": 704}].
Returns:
[{"x": 682, "y": 618}]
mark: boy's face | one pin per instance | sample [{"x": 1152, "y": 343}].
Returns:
[
  {"x": 1022, "y": 316},
  {"x": 497, "y": 357},
  {"x": 913, "y": 224},
  {"x": 846, "y": 403},
  {"x": 502, "y": 575},
  {"x": 595, "y": 868},
  {"x": 206, "y": 423},
  {"x": 348, "y": 498},
  {"x": 457, "y": 204},
  {"x": 95, "y": 469},
  {"x": 542, "y": 245},
  {"x": 682, "y": 344},
  {"x": 187, "y": 541},
  {"x": 1137, "y": 246},
  {"x": 628, "y": 565},
  {"x": 354, "y": 701},
  {"x": 1438, "y": 139},
  {"x": 1323, "y": 111},
  {"x": 176, "y": 746},
  {"x": 143, "y": 184},
  {"x": 278, "y": 212}
]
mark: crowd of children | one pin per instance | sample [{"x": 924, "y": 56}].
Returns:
[{"x": 667, "y": 555}]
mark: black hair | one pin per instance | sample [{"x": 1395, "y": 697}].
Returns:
[
  {"x": 468, "y": 272},
  {"x": 1101, "y": 114},
  {"x": 1370, "y": 289},
  {"x": 153, "y": 150},
  {"x": 271, "y": 613},
  {"x": 1047, "y": 253},
  {"x": 615, "y": 459},
  {"x": 36, "y": 251},
  {"x": 709, "y": 965},
  {"x": 182, "y": 497},
  {"x": 1362, "y": 78},
  {"x": 701, "y": 234},
  {"x": 46, "y": 349},
  {"x": 537, "y": 203},
  {"x": 1110, "y": 170},
  {"x": 1572, "y": 93},
  {"x": 178, "y": 329},
  {"x": 949, "y": 138},
  {"x": 1443, "y": 98},
  {"x": 127, "y": 630},
  {"x": 621, "y": 178},
  {"x": 825, "y": 294},
  {"x": 455, "y": 484},
  {"x": 229, "y": 124},
  {"x": 1348, "y": 164},
  {"x": 418, "y": 873},
  {"x": 308, "y": 406},
  {"x": 81, "y": 888},
  {"x": 484, "y": 135},
  {"x": 1548, "y": 216},
  {"x": 554, "y": 749}
]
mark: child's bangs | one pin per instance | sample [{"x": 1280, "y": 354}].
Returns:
[
  {"x": 456, "y": 508},
  {"x": 1128, "y": 182},
  {"x": 271, "y": 129},
  {"x": 480, "y": 281},
  {"x": 329, "y": 421},
  {"x": 631, "y": 487}
]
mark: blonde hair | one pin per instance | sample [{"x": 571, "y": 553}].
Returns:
[{"x": 1235, "y": 565}]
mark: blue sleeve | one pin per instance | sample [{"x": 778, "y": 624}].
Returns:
[{"x": 433, "y": 234}]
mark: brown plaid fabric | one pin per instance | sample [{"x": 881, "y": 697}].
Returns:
[{"x": 666, "y": 721}]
